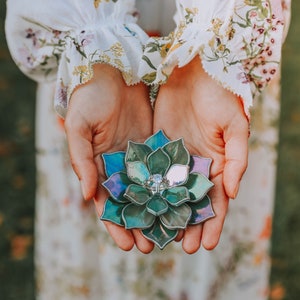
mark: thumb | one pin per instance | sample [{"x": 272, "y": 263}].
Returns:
[
  {"x": 79, "y": 138},
  {"x": 236, "y": 159}
]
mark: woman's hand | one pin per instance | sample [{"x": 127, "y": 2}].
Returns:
[
  {"x": 102, "y": 116},
  {"x": 213, "y": 124}
]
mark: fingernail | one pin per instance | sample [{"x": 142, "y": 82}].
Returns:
[
  {"x": 83, "y": 188},
  {"x": 236, "y": 190}
]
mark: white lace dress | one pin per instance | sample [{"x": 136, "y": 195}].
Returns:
[{"x": 56, "y": 43}]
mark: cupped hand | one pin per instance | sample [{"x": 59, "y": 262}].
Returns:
[
  {"x": 213, "y": 124},
  {"x": 103, "y": 115}
]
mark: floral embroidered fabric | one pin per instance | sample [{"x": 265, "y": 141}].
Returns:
[{"x": 239, "y": 42}]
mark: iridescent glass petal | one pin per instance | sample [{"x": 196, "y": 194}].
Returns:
[
  {"x": 114, "y": 162},
  {"x": 112, "y": 212},
  {"x": 135, "y": 216},
  {"x": 137, "y": 152},
  {"x": 201, "y": 211},
  {"x": 176, "y": 217},
  {"x": 157, "y": 205},
  {"x": 157, "y": 140},
  {"x": 198, "y": 186},
  {"x": 158, "y": 162},
  {"x": 177, "y": 175},
  {"x": 177, "y": 195},
  {"x": 200, "y": 164},
  {"x": 116, "y": 186},
  {"x": 137, "y": 194},
  {"x": 177, "y": 152},
  {"x": 137, "y": 171},
  {"x": 160, "y": 235}
]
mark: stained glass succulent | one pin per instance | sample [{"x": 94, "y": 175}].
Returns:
[{"x": 158, "y": 187}]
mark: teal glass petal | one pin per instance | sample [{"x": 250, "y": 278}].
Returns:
[
  {"x": 177, "y": 175},
  {"x": 200, "y": 164},
  {"x": 137, "y": 194},
  {"x": 117, "y": 185},
  {"x": 157, "y": 140},
  {"x": 158, "y": 162},
  {"x": 157, "y": 205},
  {"x": 137, "y": 171},
  {"x": 137, "y": 152},
  {"x": 201, "y": 211},
  {"x": 198, "y": 186},
  {"x": 177, "y": 152},
  {"x": 135, "y": 216},
  {"x": 112, "y": 212},
  {"x": 114, "y": 162},
  {"x": 160, "y": 235},
  {"x": 177, "y": 195},
  {"x": 176, "y": 217}
]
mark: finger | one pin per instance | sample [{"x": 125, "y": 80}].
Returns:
[
  {"x": 192, "y": 239},
  {"x": 212, "y": 228},
  {"x": 179, "y": 236},
  {"x": 144, "y": 245},
  {"x": 236, "y": 156},
  {"x": 82, "y": 157}
]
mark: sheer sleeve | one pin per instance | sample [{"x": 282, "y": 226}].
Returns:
[
  {"x": 239, "y": 43},
  {"x": 61, "y": 40}
]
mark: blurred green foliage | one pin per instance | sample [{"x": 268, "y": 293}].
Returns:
[
  {"x": 285, "y": 276},
  {"x": 17, "y": 177}
]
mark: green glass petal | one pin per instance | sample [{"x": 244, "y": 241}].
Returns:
[
  {"x": 157, "y": 140},
  {"x": 198, "y": 186},
  {"x": 113, "y": 212},
  {"x": 201, "y": 211},
  {"x": 177, "y": 175},
  {"x": 137, "y": 152},
  {"x": 177, "y": 152},
  {"x": 160, "y": 235},
  {"x": 177, "y": 195},
  {"x": 137, "y": 194},
  {"x": 135, "y": 216},
  {"x": 137, "y": 171},
  {"x": 157, "y": 205},
  {"x": 158, "y": 162},
  {"x": 176, "y": 217},
  {"x": 114, "y": 162}
]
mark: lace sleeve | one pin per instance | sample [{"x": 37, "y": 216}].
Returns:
[{"x": 61, "y": 40}]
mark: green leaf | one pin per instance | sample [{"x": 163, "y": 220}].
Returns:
[
  {"x": 148, "y": 61},
  {"x": 149, "y": 77}
]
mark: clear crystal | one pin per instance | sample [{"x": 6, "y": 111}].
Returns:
[{"x": 156, "y": 183}]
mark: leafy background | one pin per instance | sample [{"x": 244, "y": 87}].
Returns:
[{"x": 17, "y": 177}]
